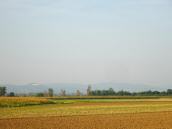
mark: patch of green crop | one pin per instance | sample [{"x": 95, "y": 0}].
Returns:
[
  {"x": 71, "y": 109},
  {"x": 22, "y": 101}
]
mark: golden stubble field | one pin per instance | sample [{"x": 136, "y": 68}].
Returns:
[
  {"x": 157, "y": 120},
  {"x": 40, "y": 113}
]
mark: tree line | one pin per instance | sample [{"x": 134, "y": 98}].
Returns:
[
  {"x": 89, "y": 92},
  {"x": 49, "y": 93},
  {"x": 111, "y": 92}
]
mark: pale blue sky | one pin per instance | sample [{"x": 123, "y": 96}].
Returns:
[{"x": 86, "y": 41}]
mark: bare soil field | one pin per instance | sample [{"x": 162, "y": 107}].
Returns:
[{"x": 156, "y": 120}]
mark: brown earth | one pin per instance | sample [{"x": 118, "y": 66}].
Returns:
[{"x": 158, "y": 120}]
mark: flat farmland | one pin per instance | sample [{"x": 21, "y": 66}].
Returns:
[
  {"x": 157, "y": 120},
  {"x": 90, "y": 114}
]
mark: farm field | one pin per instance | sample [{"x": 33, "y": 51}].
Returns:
[
  {"x": 156, "y": 120},
  {"x": 86, "y": 113},
  {"x": 22, "y": 101}
]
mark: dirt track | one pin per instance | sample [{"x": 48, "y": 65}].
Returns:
[{"x": 161, "y": 120}]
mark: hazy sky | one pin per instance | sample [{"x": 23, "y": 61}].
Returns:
[{"x": 86, "y": 41}]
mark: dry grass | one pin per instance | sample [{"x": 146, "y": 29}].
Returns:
[{"x": 158, "y": 120}]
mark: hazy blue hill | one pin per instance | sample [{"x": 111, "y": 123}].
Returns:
[
  {"x": 30, "y": 88},
  {"x": 127, "y": 86},
  {"x": 72, "y": 87}
]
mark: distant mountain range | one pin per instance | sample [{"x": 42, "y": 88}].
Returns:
[{"x": 72, "y": 87}]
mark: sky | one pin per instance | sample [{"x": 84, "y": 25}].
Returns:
[{"x": 86, "y": 41}]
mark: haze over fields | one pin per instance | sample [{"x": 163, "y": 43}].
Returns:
[
  {"x": 81, "y": 42},
  {"x": 72, "y": 87}
]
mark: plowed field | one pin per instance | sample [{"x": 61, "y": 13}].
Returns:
[{"x": 157, "y": 120}]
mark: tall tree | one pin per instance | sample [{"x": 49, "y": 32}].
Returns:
[
  {"x": 169, "y": 92},
  {"x": 111, "y": 91},
  {"x": 2, "y": 91},
  {"x": 78, "y": 93},
  {"x": 89, "y": 90},
  {"x": 63, "y": 93},
  {"x": 50, "y": 92}
]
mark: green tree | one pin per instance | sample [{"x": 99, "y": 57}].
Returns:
[
  {"x": 169, "y": 92},
  {"x": 111, "y": 91},
  {"x": 50, "y": 92},
  {"x": 2, "y": 91},
  {"x": 40, "y": 94},
  {"x": 11, "y": 94}
]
